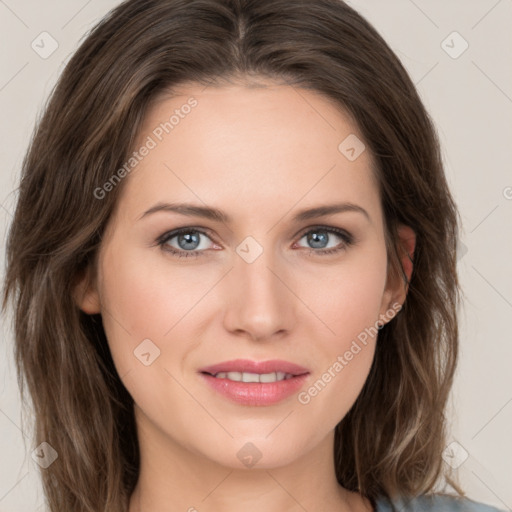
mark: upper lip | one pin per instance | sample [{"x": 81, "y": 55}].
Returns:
[{"x": 248, "y": 366}]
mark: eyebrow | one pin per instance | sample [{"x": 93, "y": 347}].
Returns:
[{"x": 211, "y": 213}]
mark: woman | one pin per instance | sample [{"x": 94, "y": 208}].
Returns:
[{"x": 188, "y": 340}]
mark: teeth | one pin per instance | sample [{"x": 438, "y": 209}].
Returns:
[
  {"x": 254, "y": 377},
  {"x": 270, "y": 377},
  {"x": 247, "y": 377}
]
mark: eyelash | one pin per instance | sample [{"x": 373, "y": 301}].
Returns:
[{"x": 348, "y": 241}]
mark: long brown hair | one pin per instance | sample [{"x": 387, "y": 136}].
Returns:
[{"x": 390, "y": 442}]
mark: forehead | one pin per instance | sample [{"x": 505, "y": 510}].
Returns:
[{"x": 253, "y": 147}]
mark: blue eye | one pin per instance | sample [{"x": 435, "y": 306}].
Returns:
[
  {"x": 189, "y": 241},
  {"x": 319, "y": 235},
  {"x": 187, "y": 238}
]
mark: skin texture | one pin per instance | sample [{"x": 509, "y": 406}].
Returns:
[{"x": 261, "y": 154}]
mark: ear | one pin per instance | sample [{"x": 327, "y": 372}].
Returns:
[
  {"x": 85, "y": 293},
  {"x": 396, "y": 289}
]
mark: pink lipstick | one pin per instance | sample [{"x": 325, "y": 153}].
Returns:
[{"x": 256, "y": 383}]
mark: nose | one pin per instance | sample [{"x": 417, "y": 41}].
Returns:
[{"x": 259, "y": 299}]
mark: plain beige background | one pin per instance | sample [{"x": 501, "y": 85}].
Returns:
[{"x": 458, "y": 54}]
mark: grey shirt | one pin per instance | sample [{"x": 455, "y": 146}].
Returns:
[{"x": 434, "y": 503}]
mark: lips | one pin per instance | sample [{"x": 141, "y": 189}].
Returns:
[
  {"x": 248, "y": 366},
  {"x": 255, "y": 383}
]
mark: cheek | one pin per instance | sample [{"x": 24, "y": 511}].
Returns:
[
  {"x": 348, "y": 306},
  {"x": 347, "y": 297},
  {"x": 143, "y": 295},
  {"x": 343, "y": 360},
  {"x": 142, "y": 301},
  {"x": 136, "y": 303}
]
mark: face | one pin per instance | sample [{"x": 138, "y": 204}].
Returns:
[{"x": 258, "y": 284}]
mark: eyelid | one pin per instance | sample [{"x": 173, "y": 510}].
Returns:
[
  {"x": 206, "y": 231},
  {"x": 346, "y": 236},
  {"x": 312, "y": 227},
  {"x": 185, "y": 229}
]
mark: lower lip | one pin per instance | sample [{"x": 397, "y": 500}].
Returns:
[{"x": 256, "y": 393}]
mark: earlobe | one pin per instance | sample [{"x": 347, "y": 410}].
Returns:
[{"x": 85, "y": 294}]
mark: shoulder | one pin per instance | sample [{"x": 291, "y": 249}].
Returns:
[{"x": 434, "y": 503}]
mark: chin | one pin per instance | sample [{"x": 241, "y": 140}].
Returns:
[{"x": 257, "y": 452}]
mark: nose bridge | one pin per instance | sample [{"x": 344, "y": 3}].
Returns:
[
  {"x": 259, "y": 302},
  {"x": 258, "y": 278}
]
